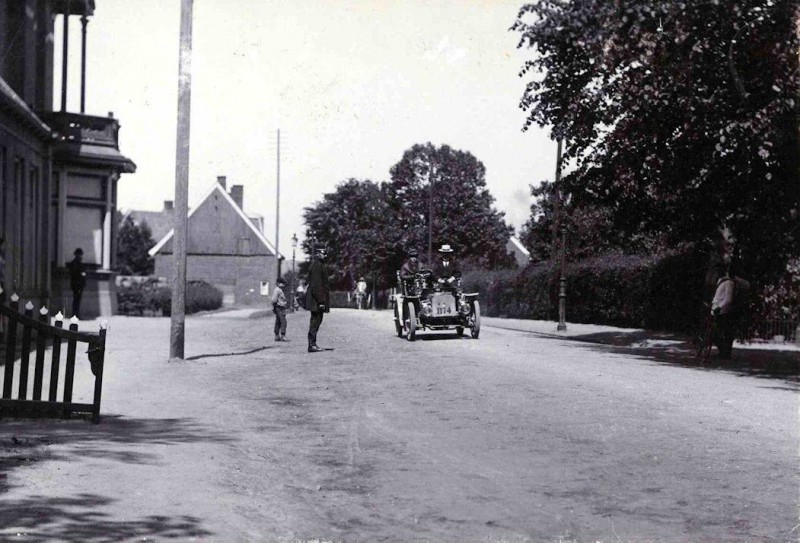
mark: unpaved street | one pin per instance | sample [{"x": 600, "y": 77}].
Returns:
[{"x": 511, "y": 437}]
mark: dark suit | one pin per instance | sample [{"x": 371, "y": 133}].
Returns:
[
  {"x": 77, "y": 282},
  {"x": 440, "y": 271},
  {"x": 317, "y": 298}
]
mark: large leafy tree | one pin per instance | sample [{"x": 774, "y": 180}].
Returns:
[
  {"x": 680, "y": 117},
  {"x": 353, "y": 222},
  {"x": 133, "y": 242},
  {"x": 452, "y": 185}
]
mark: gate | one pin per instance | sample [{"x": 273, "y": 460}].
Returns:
[{"x": 39, "y": 332}]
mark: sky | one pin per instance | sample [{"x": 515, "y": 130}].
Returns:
[{"x": 350, "y": 84}]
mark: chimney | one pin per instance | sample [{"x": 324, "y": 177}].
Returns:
[
  {"x": 237, "y": 193},
  {"x": 168, "y": 205},
  {"x": 222, "y": 181}
]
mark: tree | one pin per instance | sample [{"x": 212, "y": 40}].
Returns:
[
  {"x": 462, "y": 208},
  {"x": 133, "y": 242},
  {"x": 354, "y": 223},
  {"x": 681, "y": 117}
]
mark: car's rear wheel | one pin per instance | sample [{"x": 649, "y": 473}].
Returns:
[
  {"x": 411, "y": 322},
  {"x": 397, "y": 321},
  {"x": 476, "y": 320}
]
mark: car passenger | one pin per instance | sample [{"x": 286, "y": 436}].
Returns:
[{"x": 445, "y": 270}]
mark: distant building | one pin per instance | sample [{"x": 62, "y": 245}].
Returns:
[
  {"x": 58, "y": 170},
  {"x": 515, "y": 248},
  {"x": 161, "y": 222},
  {"x": 224, "y": 247}
]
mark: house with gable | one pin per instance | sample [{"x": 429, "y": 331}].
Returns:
[
  {"x": 224, "y": 247},
  {"x": 517, "y": 250}
]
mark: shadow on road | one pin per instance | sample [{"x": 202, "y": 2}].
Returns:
[
  {"x": 25, "y": 442},
  {"x": 81, "y": 519},
  {"x": 216, "y": 355},
  {"x": 438, "y": 336},
  {"x": 674, "y": 349}
]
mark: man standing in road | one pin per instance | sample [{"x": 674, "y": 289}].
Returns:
[
  {"x": 361, "y": 292},
  {"x": 77, "y": 281},
  {"x": 279, "y": 305},
  {"x": 317, "y": 296},
  {"x": 728, "y": 307}
]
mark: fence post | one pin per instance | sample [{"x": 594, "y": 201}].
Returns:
[
  {"x": 11, "y": 348},
  {"x": 97, "y": 368}
]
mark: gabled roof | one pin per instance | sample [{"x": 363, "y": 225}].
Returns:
[
  {"x": 217, "y": 187},
  {"x": 513, "y": 240},
  {"x": 159, "y": 222}
]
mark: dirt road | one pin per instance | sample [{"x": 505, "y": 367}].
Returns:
[{"x": 510, "y": 437}]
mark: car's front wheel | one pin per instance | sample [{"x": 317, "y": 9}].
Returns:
[
  {"x": 398, "y": 321},
  {"x": 411, "y": 322},
  {"x": 476, "y": 319}
]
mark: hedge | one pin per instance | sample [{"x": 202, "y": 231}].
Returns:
[
  {"x": 657, "y": 293},
  {"x": 149, "y": 298}
]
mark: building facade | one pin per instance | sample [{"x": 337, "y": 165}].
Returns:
[
  {"x": 224, "y": 247},
  {"x": 58, "y": 169}
]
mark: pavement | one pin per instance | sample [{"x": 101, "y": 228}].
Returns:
[{"x": 172, "y": 434}]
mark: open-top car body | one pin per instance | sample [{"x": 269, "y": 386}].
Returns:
[{"x": 424, "y": 304}]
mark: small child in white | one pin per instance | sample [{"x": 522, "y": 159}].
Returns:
[{"x": 279, "y": 305}]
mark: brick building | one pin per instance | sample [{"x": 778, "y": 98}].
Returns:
[
  {"x": 58, "y": 170},
  {"x": 224, "y": 247}
]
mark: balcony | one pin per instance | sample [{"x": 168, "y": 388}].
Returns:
[{"x": 86, "y": 140}]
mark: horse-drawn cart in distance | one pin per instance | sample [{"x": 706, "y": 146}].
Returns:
[{"x": 422, "y": 304}]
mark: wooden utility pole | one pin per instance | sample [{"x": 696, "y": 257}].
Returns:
[
  {"x": 278, "y": 210},
  {"x": 178, "y": 320},
  {"x": 430, "y": 213}
]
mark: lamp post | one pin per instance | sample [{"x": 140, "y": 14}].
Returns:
[
  {"x": 562, "y": 282},
  {"x": 294, "y": 277}
]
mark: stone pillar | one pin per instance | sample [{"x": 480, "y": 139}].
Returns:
[{"x": 107, "y": 219}]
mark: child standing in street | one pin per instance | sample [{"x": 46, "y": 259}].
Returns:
[{"x": 279, "y": 305}]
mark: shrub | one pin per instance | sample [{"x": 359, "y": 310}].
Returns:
[
  {"x": 151, "y": 298},
  {"x": 201, "y": 296},
  {"x": 663, "y": 292}
]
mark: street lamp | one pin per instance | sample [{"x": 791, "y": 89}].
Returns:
[
  {"x": 562, "y": 282},
  {"x": 294, "y": 277}
]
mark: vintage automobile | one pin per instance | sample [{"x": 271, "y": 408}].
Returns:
[{"x": 423, "y": 304}]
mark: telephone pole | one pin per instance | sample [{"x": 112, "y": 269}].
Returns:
[
  {"x": 278, "y": 210},
  {"x": 178, "y": 318}
]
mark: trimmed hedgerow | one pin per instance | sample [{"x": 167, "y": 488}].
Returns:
[
  {"x": 150, "y": 298},
  {"x": 663, "y": 292}
]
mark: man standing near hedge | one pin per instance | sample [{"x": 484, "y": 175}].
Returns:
[
  {"x": 279, "y": 305},
  {"x": 317, "y": 296}
]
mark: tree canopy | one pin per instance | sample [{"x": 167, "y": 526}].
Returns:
[
  {"x": 462, "y": 207},
  {"x": 133, "y": 242},
  {"x": 680, "y": 117},
  {"x": 369, "y": 227}
]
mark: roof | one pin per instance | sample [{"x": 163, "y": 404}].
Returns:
[
  {"x": 216, "y": 187},
  {"x": 517, "y": 244},
  {"x": 101, "y": 155},
  {"x": 159, "y": 222},
  {"x": 11, "y": 100}
]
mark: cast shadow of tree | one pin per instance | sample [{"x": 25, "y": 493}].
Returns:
[
  {"x": 771, "y": 364},
  {"x": 24, "y": 442},
  {"x": 81, "y": 519}
]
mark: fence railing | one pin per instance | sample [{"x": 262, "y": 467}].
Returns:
[
  {"x": 772, "y": 330},
  {"x": 24, "y": 335}
]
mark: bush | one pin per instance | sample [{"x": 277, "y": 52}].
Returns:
[
  {"x": 201, "y": 296},
  {"x": 664, "y": 292},
  {"x": 151, "y": 298}
]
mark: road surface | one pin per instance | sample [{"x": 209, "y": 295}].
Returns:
[{"x": 511, "y": 437}]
